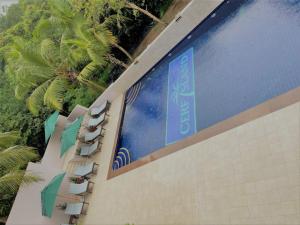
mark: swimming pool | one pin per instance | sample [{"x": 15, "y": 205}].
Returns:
[{"x": 243, "y": 54}]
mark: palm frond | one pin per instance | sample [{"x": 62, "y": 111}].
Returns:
[
  {"x": 21, "y": 91},
  {"x": 98, "y": 53},
  {"x": 28, "y": 75},
  {"x": 79, "y": 56},
  {"x": 80, "y": 27},
  {"x": 116, "y": 19},
  {"x": 104, "y": 36},
  {"x": 29, "y": 53},
  {"x": 16, "y": 157},
  {"x": 54, "y": 96},
  {"x": 35, "y": 100},
  {"x": 62, "y": 10},
  {"x": 49, "y": 51},
  {"x": 63, "y": 48},
  {"x": 77, "y": 42},
  {"x": 7, "y": 139},
  {"x": 72, "y": 51},
  {"x": 57, "y": 23},
  {"x": 11, "y": 182},
  {"x": 44, "y": 28},
  {"x": 88, "y": 70}
]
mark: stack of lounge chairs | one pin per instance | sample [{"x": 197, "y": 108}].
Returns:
[
  {"x": 98, "y": 115},
  {"x": 90, "y": 140},
  {"x": 80, "y": 189},
  {"x": 90, "y": 145},
  {"x": 88, "y": 150}
]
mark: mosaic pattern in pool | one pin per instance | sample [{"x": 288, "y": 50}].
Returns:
[{"x": 245, "y": 53}]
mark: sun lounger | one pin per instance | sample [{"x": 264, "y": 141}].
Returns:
[
  {"x": 79, "y": 189},
  {"x": 91, "y": 136},
  {"x": 75, "y": 208},
  {"x": 85, "y": 170},
  {"x": 98, "y": 110},
  {"x": 88, "y": 150},
  {"x": 94, "y": 122}
]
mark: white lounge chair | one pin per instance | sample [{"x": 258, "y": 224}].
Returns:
[
  {"x": 88, "y": 150},
  {"x": 75, "y": 208},
  {"x": 91, "y": 136},
  {"x": 79, "y": 189},
  {"x": 85, "y": 170},
  {"x": 98, "y": 110},
  {"x": 95, "y": 122}
]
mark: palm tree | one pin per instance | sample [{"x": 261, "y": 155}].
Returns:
[
  {"x": 44, "y": 72},
  {"x": 65, "y": 16},
  {"x": 96, "y": 41},
  {"x": 102, "y": 33},
  {"x": 97, "y": 8},
  {"x": 117, "y": 5},
  {"x": 13, "y": 160}
]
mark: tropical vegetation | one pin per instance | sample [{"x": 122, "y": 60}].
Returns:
[
  {"x": 13, "y": 161},
  {"x": 55, "y": 54}
]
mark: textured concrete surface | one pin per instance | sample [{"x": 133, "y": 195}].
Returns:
[
  {"x": 247, "y": 175},
  {"x": 27, "y": 207}
]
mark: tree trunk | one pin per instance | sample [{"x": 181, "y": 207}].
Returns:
[
  {"x": 134, "y": 6},
  {"x": 124, "y": 51},
  {"x": 116, "y": 61},
  {"x": 116, "y": 46}
]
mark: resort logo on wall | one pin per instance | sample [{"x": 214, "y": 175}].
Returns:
[{"x": 181, "y": 120}]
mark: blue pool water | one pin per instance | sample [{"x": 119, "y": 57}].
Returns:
[{"x": 243, "y": 54}]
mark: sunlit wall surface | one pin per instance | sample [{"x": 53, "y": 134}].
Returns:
[{"x": 245, "y": 53}]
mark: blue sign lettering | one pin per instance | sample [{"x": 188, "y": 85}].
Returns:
[{"x": 181, "y": 98}]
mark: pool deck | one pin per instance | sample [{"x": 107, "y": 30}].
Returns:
[{"x": 247, "y": 175}]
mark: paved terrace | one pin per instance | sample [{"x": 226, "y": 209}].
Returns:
[{"x": 27, "y": 206}]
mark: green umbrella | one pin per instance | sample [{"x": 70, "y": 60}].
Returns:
[
  {"x": 69, "y": 135},
  {"x": 49, "y": 193},
  {"x": 49, "y": 125}
]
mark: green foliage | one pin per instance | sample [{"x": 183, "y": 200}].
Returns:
[
  {"x": 15, "y": 116},
  {"x": 8, "y": 138},
  {"x": 80, "y": 95},
  {"x": 55, "y": 43},
  {"x": 12, "y": 17},
  {"x": 55, "y": 54},
  {"x": 13, "y": 161}
]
